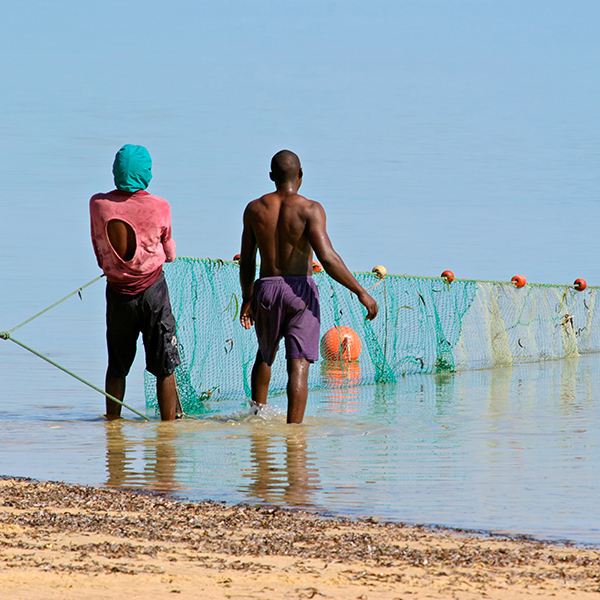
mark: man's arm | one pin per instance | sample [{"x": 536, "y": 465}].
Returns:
[
  {"x": 316, "y": 231},
  {"x": 247, "y": 270}
]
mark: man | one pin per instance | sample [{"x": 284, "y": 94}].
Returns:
[
  {"x": 286, "y": 227},
  {"x": 131, "y": 235}
]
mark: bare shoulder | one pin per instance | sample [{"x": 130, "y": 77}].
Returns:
[
  {"x": 252, "y": 207},
  {"x": 259, "y": 203},
  {"x": 313, "y": 208},
  {"x": 303, "y": 203}
]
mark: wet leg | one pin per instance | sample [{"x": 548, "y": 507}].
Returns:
[
  {"x": 115, "y": 386},
  {"x": 166, "y": 391},
  {"x": 261, "y": 376},
  {"x": 297, "y": 389}
]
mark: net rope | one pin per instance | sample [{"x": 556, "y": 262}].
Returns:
[{"x": 424, "y": 325}]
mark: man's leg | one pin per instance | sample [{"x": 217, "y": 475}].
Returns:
[
  {"x": 166, "y": 390},
  {"x": 261, "y": 376},
  {"x": 160, "y": 343},
  {"x": 115, "y": 386},
  {"x": 121, "y": 340},
  {"x": 297, "y": 388}
]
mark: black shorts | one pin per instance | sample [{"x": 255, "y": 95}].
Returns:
[{"x": 148, "y": 313}]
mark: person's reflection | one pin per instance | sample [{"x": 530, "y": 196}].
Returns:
[
  {"x": 157, "y": 454},
  {"x": 283, "y": 472}
]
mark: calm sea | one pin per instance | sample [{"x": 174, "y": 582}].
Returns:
[{"x": 438, "y": 135}]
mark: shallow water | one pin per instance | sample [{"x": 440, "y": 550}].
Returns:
[
  {"x": 459, "y": 136},
  {"x": 509, "y": 449}
]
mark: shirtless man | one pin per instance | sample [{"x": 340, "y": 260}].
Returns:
[
  {"x": 286, "y": 227},
  {"x": 131, "y": 235}
]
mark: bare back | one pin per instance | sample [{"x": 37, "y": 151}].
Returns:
[
  {"x": 286, "y": 228},
  {"x": 122, "y": 239},
  {"x": 280, "y": 222}
]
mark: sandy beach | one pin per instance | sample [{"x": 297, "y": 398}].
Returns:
[{"x": 69, "y": 541}]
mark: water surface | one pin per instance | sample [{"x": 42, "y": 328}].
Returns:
[
  {"x": 438, "y": 135},
  {"x": 508, "y": 449}
]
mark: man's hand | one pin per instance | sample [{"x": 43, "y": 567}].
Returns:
[
  {"x": 246, "y": 318},
  {"x": 367, "y": 301}
]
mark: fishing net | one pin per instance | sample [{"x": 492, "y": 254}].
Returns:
[{"x": 425, "y": 325}]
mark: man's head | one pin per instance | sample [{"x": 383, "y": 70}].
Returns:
[
  {"x": 132, "y": 168},
  {"x": 285, "y": 168}
]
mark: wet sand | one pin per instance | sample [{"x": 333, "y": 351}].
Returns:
[{"x": 68, "y": 541}]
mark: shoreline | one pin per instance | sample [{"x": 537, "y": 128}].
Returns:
[{"x": 66, "y": 541}]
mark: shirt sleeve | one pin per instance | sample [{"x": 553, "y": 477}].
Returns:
[
  {"x": 93, "y": 232},
  {"x": 167, "y": 240}
]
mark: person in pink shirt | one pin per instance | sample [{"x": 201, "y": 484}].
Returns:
[{"x": 131, "y": 235}]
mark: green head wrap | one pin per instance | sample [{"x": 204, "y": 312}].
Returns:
[{"x": 132, "y": 168}]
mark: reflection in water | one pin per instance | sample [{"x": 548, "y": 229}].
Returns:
[
  {"x": 341, "y": 379},
  {"x": 500, "y": 390},
  {"x": 568, "y": 384},
  {"x": 444, "y": 388},
  {"x": 512, "y": 448},
  {"x": 284, "y": 469},
  {"x": 384, "y": 399},
  {"x": 503, "y": 435},
  {"x": 146, "y": 463}
]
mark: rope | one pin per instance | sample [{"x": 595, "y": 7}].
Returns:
[
  {"x": 12, "y": 339},
  {"x": 381, "y": 280},
  {"x": 5, "y": 335},
  {"x": 77, "y": 291}
]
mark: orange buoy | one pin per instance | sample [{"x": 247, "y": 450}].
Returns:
[
  {"x": 341, "y": 343},
  {"x": 580, "y": 284},
  {"x": 317, "y": 267},
  {"x": 448, "y": 276},
  {"x": 519, "y": 281},
  {"x": 380, "y": 271},
  {"x": 237, "y": 257}
]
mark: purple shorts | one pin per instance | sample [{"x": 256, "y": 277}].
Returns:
[{"x": 287, "y": 307}]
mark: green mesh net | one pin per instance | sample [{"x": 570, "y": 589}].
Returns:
[{"x": 425, "y": 325}]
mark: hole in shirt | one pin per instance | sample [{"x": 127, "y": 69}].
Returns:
[{"x": 122, "y": 239}]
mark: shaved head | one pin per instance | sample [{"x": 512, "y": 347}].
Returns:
[{"x": 285, "y": 166}]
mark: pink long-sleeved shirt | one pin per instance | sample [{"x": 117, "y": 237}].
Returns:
[{"x": 150, "y": 218}]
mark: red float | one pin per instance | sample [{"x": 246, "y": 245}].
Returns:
[
  {"x": 237, "y": 257},
  {"x": 519, "y": 281},
  {"x": 580, "y": 284},
  {"x": 317, "y": 267},
  {"x": 448, "y": 276},
  {"x": 341, "y": 343}
]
